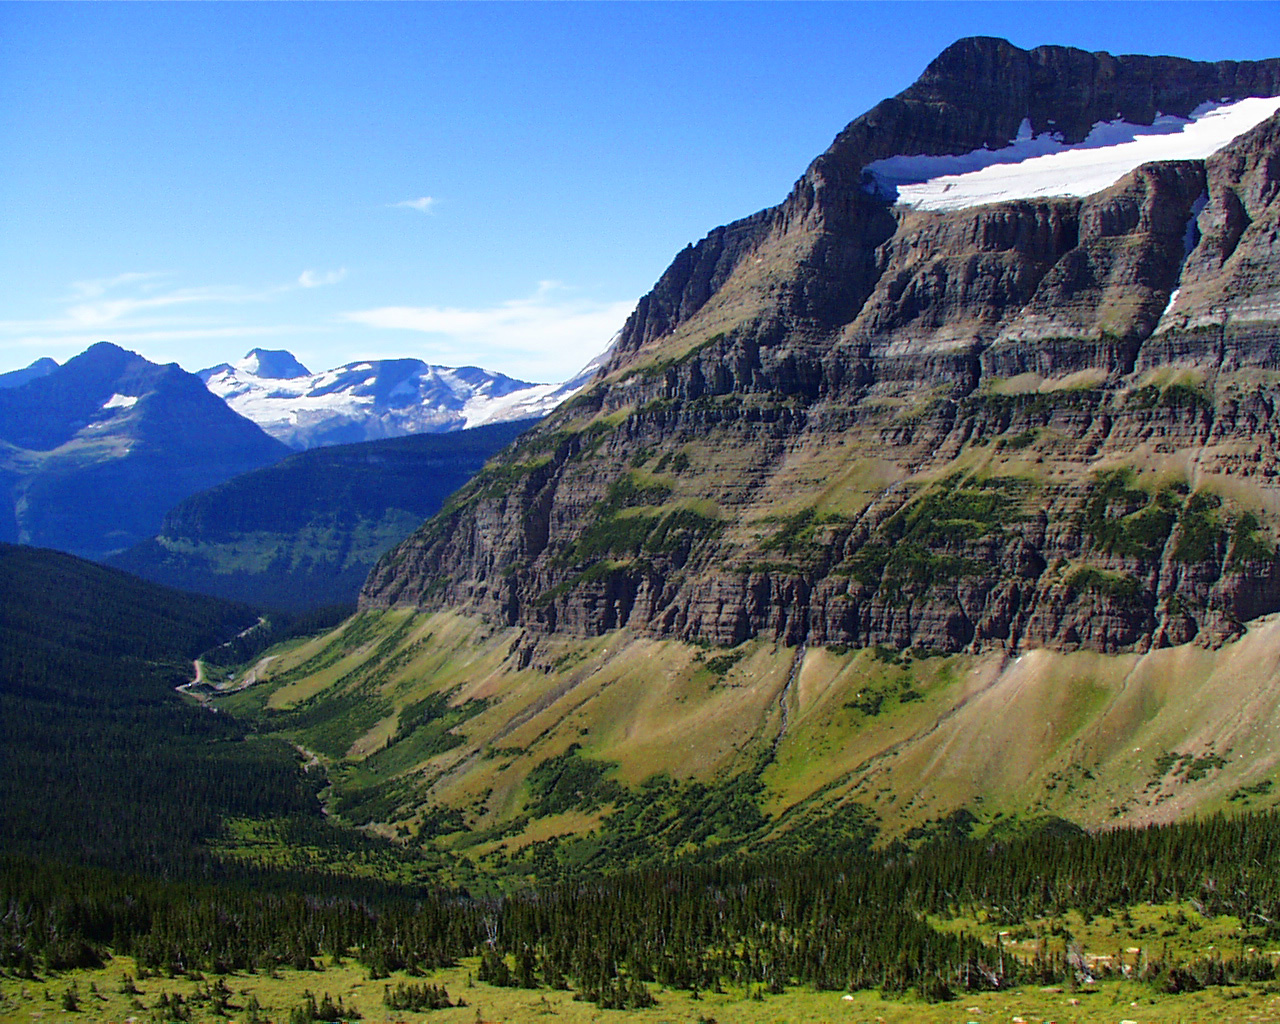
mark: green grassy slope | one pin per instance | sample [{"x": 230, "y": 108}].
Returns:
[{"x": 439, "y": 731}]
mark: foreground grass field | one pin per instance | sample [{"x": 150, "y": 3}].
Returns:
[{"x": 101, "y": 1000}]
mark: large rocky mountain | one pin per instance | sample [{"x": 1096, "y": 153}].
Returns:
[
  {"x": 866, "y": 416},
  {"x": 94, "y": 452},
  {"x": 942, "y": 494},
  {"x": 304, "y": 532},
  {"x": 365, "y": 401}
]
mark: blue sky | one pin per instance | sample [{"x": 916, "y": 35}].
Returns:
[{"x": 483, "y": 183}]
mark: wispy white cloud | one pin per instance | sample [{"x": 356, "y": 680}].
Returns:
[
  {"x": 149, "y": 310},
  {"x": 423, "y": 204},
  {"x": 134, "y": 301},
  {"x": 547, "y": 336},
  {"x": 98, "y": 287},
  {"x": 318, "y": 279},
  {"x": 109, "y": 311}
]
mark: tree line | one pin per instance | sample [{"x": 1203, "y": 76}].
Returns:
[{"x": 846, "y": 923}]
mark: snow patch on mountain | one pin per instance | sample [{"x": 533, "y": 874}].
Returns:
[
  {"x": 368, "y": 400},
  {"x": 118, "y": 401},
  {"x": 1034, "y": 166}
]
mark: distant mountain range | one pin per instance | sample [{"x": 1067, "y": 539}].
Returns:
[
  {"x": 365, "y": 401},
  {"x": 94, "y": 452}
]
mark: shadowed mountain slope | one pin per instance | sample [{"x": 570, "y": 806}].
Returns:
[
  {"x": 304, "y": 532},
  {"x": 16, "y": 378},
  {"x": 93, "y": 453}
]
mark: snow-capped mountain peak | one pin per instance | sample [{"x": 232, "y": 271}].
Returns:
[
  {"x": 372, "y": 399},
  {"x": 275, "y": 364},
  {"x": 1034, "y": 165}
]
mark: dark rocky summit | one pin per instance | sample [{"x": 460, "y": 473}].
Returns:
[
  {"x": 1042, "y": 422},
  {"x": 976, "y": 93}
]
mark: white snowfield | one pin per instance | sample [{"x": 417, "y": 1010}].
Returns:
[
  {"x": 1034, "y": 166},
  {"x": 118, "y": 401},
  {"x": 366, "y": 401}
]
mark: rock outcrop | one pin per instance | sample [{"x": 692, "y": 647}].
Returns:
[{"x": 1042, "y": 422}]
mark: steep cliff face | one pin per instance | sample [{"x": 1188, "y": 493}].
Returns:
[
  {"x": 1230, "y": 283},
  {"x": 976, "y": 94},
  {"x": 1040, "y": 422}
]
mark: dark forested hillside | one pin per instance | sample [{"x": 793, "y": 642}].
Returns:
[
  {"x": 304, "y": 533},
  {"x": 100, "y": 761}
]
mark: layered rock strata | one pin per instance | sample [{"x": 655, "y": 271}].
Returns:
[{"x": 1044, "y": 422}]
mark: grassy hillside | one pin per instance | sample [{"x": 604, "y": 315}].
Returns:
[{"x": 447, "y": 734}]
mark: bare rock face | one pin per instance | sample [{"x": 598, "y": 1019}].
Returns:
[
  {"x": 976, "y": 93},
  {"x": 1230, "y": 285},
  {"x": 1046, "y": 422}
]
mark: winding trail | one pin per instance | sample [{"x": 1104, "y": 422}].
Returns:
[{"x": 194, "y": 687}]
